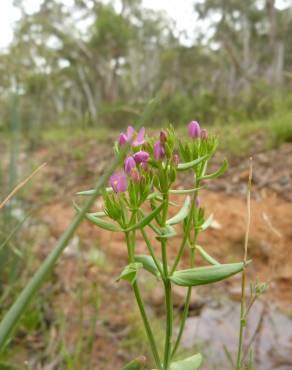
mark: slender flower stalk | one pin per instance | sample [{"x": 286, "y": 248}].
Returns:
[
  {"x": 243, "y": 276},
  {"x": 168, "y": 292},
  {"x": 141, "y": 307},
  {"x": 185, "y": 313}
]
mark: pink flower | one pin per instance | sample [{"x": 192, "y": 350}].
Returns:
[
  {"x": 126, "y": 138},
  {"x": 159, "y": 151},
  {"x": 204, "y": 134},
  {"x": 129, "y": 137},
  {"x": 118, "y": 182},
  {"x": 140, "y": 139},
  {"x": 141, "y": 157},
  {"x": 129, "y": 164},
  {"x": 194, "y": 130}
]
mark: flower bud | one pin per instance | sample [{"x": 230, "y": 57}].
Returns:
[
  {"x": 145, "y": 166},
  {"x": 204, "y": 134},
  {"x": 194, "y": 130},
  {"x": 198, "y": 202},
  {"x": 122, "y": 139},
  {"x": 159, "y": 151},
  {"x": 162, "y": 137},
  {"x": 141, "y": 157},
  {"x": 175, "y": 159},
  {"x": 129, "y": 164},
  {"x": 135, "y": 175}
]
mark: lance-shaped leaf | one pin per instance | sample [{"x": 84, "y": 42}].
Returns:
[
  {"x": 97, "y": 214},
  {"x": 129, "y": 273},
  {"x": 206, "y": 224},
  {"x": 218, "y": 173},
  {"x": 207, "y": 256},
  {"x": 166, "y": 233},
  {"x": 91, "y": 191},
  {"x": 190, "y": 363},
  {"x": 145, "y": 220},
  {"x": 98, "y": 222},
  {"x": 102, "y": 224},
  {"x": 148, "y": 264},
  {"x": 183, "y": 191},
  {"x": 136, "y": 364},
  {"x": 188, "y": 165},
  {"x": 182, "y": 214},
  {"x": 205, "y": 275}
]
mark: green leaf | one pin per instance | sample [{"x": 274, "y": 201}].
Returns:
[
  {"x": 98, "y": 222},
  {"x": 207, "y": 256},
  {"x": 97, "y": 214},
  {"x": 136, "y": 364},
  {"x": 91, "y": 191},
  {"x": 183, "y": 191},
  {"x": 182, "y": 214},
  {"x": 206, "y": 275},
  {"x": 188, "y": 165},
  {"x": 129, "y": 273},
  {"x": 102, "y": 224},
  {"x": 167, "y": 232},
  {"x": 190, "y": 363},
  {"x": 207, "y": 223},
  {"x": 148, "y": 264},
  {"x": 145, "y": 220},
  {"x": 218, "y": 173}
]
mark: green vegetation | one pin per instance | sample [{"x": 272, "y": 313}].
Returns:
[{"x": 97, "y": 63}]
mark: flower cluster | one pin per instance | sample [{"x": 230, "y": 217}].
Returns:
[{"x": 148, "y": 153}]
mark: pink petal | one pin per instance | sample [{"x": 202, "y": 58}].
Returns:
[
  {"x": 122, "y": 139},
  {"x": 130, "y": 132}
]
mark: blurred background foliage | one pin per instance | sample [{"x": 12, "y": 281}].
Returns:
[{"x": 97, "y": 63}]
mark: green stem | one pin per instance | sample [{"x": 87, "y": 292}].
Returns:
[
  {"x": 147, "y": 326},
  {"x": 242, "y": 321},
  {"x": 169, "y": 324},
  {"x": 185, "y": 312},
  {"x": 192, "y": 263},
  {"x": 151, "y": 251},
  {"x": 186, "y": 235},
  {"x": 168, "y": 291},
  {"x": 150, "y": 336},
  {"x": 243, "y": 276}
]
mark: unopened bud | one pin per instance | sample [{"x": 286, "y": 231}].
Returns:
[
  {"x": 204, "y": 134},
  {"x": 162, "y": 137}
]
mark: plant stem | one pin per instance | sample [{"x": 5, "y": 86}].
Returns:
[
  {"x": 192, "y": 262},
  {"x": 185, "y": 312},
  {"x": 243, "y": 279},
  {"x": 169, "y": 323},
  {"x": 150, "y": 336},
  {"x": 151, "y": 251},
  {"x": 167, "y": 290},
  {"x": 147, "y": 326},
  {"x": 186, "y": 234}
]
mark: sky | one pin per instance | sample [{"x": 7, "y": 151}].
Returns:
[{"x": 179, "y": 10}]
